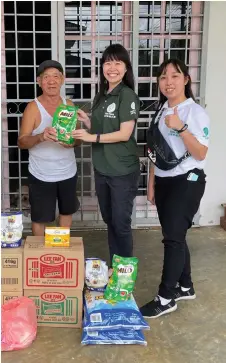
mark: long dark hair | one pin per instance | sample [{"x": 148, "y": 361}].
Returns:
[
  {"x": 119, "y": 53},
  {"x": 181, "y": 67}
]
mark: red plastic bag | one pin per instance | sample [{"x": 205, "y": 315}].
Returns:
[{"x": 19, "y": 324}]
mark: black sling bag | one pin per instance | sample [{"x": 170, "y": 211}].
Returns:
[{"x": 159, "y": 151}]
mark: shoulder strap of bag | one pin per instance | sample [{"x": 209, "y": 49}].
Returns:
[
  {"x": 157, "y": 115},
  {"x": 184, "y": 157}
]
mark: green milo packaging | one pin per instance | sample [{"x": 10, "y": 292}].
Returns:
[
  {"x": 123, "y": 278},
  {"x": 65, "y": 121}
]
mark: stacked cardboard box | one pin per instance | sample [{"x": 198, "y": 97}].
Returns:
[
  {"x": 54, "y": 280},
  {"x": 12, "y": 273}
]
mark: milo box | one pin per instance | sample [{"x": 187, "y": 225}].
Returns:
[{"x": 64, "y": 121}]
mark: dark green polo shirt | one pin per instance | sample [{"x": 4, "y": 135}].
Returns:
[{"x": 121, "y": 158}]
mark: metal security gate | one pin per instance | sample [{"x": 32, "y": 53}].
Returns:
[
  {"x": 76, "y": 33},
  {"x": 27, "y": 40},
  {"x": 152, "y": 31}
]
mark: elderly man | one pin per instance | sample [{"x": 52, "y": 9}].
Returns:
[{"x": 52, "y": 165}]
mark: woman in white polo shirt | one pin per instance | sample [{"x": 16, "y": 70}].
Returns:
[{"x": 177, "y": 146}]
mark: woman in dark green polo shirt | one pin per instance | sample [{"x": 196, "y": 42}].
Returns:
[{"x": 114, "y": 148}]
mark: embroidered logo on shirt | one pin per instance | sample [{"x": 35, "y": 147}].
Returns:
[
  {"x": 110, "y": 109},
  {"x": 133, "y": 108},
  {"x": 173, "y": 133},
  {"x": 206, "y": 133}
]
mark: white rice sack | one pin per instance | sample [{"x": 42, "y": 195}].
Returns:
[
  {"x": 118, "y": 336},
  {"x": 101, "y": 314}
]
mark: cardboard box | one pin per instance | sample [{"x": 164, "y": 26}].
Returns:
[
  {"x": 8, "y": 295},
  {"x": 57, "y": 237},
  {"x": 12, "y": 269},
  {"x": 58, "y": 308},
  {"x": 53, "y": 267}
]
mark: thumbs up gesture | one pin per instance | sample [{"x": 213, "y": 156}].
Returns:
[{"x": 173, "y": 121}]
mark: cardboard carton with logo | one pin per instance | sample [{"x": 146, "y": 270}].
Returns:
[
  {"x": 8, "y": 295},
  {"x": 56, "y": 267},
  {"x": 12, "y": 269},
  {"x": 57, "y": 308}
]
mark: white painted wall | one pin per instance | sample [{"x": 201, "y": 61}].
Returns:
[{"x": 215, "y": 99}]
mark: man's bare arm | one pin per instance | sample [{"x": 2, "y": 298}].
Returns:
[{"x": 26, "y": 140}]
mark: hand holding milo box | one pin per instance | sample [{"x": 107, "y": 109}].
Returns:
[{"x": 65, "y": 121}]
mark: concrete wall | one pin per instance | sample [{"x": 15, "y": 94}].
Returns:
[{"x": 215, "y": 99}]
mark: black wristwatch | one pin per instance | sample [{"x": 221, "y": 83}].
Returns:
[
  {"x": 183, "y": 129},
  {"x": 98, "y": 138}
]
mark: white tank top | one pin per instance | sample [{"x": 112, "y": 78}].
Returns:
[{"x": 49, "y": 161}]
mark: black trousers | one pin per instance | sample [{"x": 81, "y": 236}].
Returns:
[
  {"x": 115, "y": 196},
  {"x": 177, "y": 201}
]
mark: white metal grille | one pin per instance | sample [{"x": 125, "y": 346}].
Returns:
[
  {"x": 26, "y": 35},
  {"x": 151, "y": 31},
  {"x": 167, "y": 29}
]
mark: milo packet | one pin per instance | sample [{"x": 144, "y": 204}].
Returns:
[
  {"x": 123, "y": 278},
  {"x": 64, "y": 121}
]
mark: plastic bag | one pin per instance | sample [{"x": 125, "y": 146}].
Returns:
[
  {"x": 96, "y": 275},
  {"x": 11, "y": 229},
  {"x": 123, "y": 278},
  {"x": 64, "y": 121},
  {"x": 101, "y": 314},
  {"x": 126, "y": 336},
  {"x": 19, "y": 324}
]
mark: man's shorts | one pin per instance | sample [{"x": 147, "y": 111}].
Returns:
[{"x": 44, "y": 195}]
